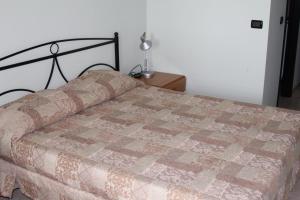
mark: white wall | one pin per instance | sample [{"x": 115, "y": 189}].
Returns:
[
  {"x": 297, "y": 65},
  {"x": 31, "y": 22},
  {"x": 211, "y": 42},
  {"x": 274, "y": 55}
]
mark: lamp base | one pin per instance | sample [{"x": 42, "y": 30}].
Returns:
[{"x": 148, "y": 74}]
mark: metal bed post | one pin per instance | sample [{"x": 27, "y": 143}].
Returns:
[{"x": 117, "y": 54}]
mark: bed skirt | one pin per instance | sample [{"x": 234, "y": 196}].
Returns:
[
  {"x": 39, "y": 187},
  {"x": 35, "y": 186}
]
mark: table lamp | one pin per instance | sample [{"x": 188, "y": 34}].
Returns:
[{"x": 145, "y": 46}]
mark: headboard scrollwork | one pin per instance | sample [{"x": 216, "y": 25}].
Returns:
[{"x": 54, "y": 48}]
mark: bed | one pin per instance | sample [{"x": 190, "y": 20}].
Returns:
[{"x": 105, "y": 135}]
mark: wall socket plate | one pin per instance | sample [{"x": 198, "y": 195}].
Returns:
[{"x": 257, "y": 24}]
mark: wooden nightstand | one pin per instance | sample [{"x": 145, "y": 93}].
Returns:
[{"x": 165, "y": 80}]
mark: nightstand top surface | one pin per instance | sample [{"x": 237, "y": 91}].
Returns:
[{"x": 161, "y": 79}]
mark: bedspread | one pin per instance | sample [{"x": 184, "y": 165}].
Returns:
[{"x": 107, "y": 136}]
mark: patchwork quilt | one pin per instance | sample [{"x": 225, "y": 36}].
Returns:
[{"x": 107, "y": 136}]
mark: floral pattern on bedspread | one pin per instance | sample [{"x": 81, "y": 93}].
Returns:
[{"x": 151, "y": 143}]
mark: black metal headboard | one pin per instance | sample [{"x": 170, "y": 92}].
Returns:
[{"x": 54, "y": 54}]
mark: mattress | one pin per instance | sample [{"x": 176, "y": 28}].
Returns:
[{"x": 107, "y": 136}]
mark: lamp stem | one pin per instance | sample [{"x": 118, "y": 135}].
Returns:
[{"x": 146, "y": 62}]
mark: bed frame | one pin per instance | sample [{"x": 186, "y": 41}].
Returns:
[{"x": 54, "y": 47}]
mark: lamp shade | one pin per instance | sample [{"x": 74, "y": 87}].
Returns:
[{"x": 146, "y": 44}]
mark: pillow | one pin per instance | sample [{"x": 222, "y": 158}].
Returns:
[
  {"x": 97, "y": 86},
  {"x": 49, "y": 106}
]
